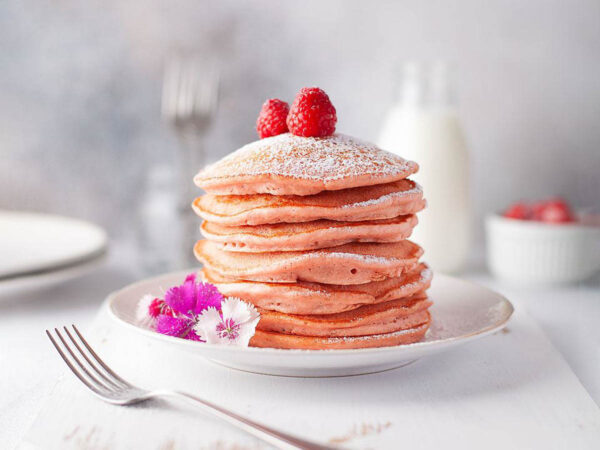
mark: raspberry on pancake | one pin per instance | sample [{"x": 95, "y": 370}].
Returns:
[
  {"x": 271, "y": 119},
  {"x": 312, "y": 113}
]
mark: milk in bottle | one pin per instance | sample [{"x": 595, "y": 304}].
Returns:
[{"x": 424, "y": 126}]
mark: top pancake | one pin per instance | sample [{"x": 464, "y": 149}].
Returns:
[{"x": 296, "y": 165}]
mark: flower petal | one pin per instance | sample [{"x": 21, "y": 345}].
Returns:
[
  {"x": 191, "y": 277},
  {"x": 182, "y": 298},
  {"x": 207, "y": 295},
  {"x": 245, "y": 315},
  {"x": 142, "y": 310},
  {"x": 187, "y": 291},
  {"x": 192, "y": 336},
  {"x": 173, "y": 298},
  {"x": 172, "y": 326},
  {"x": 206, "y": 326},
  {"x": 245, "y": 333},
  {"x": 238, "y": 310}
]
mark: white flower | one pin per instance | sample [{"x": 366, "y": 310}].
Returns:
[
  {"x": 235, "y": 325},
  {"x": 141, "y": 311}
]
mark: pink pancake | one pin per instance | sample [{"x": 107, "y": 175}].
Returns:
[
  {"x": 371, "y": 319},
  {"x": 313, "y": 298},
  {"x": 289, "y": 341},
  {"x": 296, "y": 165},
  {"x": 383, "y": 201},
  {"x": 284, "y": 237},
  {"x": 355, "y": 263}
]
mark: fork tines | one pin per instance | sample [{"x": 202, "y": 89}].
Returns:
[
  {"x": 86, "y": 364},
  {"x": 190, "y": 90}
]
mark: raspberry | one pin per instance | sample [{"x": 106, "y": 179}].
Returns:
[
  {"x": 518, "y": 211},
  {"x": 553, "y": 211},
  {"x": 271, "y": 119},
  {"x": 312, "y": 114}
]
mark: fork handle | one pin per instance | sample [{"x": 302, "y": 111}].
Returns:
[{"x": 276, "y": 438}]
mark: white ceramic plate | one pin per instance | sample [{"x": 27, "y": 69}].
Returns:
[
  {"x": 462, "y": 311},
  {"x": 47, "y": 279},
  {"x": 32, "y": 243}
]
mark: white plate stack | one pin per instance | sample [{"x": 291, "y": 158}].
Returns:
[{"x": 40, "y": 250}]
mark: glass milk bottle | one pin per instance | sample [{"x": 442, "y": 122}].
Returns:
[{"x": 424, "y": 127}]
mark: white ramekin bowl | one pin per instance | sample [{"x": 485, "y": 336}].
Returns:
[{"x": 539, "y": 253}]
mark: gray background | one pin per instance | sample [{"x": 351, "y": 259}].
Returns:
[{"x": 80, "y": 88}]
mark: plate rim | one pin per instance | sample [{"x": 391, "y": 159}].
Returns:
[{"x": 111, "y": 300}]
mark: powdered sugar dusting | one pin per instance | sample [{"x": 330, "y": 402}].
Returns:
[
  {"x": 324, "y": 159},
  {"x": 335, "y": 340},
  {"x": 368, "y": 259},
  {"x": 425, "y": 276},
  {"x": 416, "y": 190}
]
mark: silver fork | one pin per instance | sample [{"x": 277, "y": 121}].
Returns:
[
  {"x": 190, "y": 95},
  {"x": 110, "y": 387}
]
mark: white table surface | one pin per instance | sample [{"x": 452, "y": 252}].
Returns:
[{"x": 568, "y": 317}]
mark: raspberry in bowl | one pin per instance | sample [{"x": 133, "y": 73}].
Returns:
[{"x": 542, "y": 243}]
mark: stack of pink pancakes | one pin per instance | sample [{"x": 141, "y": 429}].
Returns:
[{"x": 313, "y": 232}]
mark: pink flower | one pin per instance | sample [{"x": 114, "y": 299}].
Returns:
[
  {"x": 178, "y": 313},
  {"x": 234, "y": 325},
  {"x": 181, "y": 327},
  {"x": 197, "y": 311},
  {"x": 192, "y": 298},
  {"x": 150, "y": 307},
  {"x": 172, "y": 326}
]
